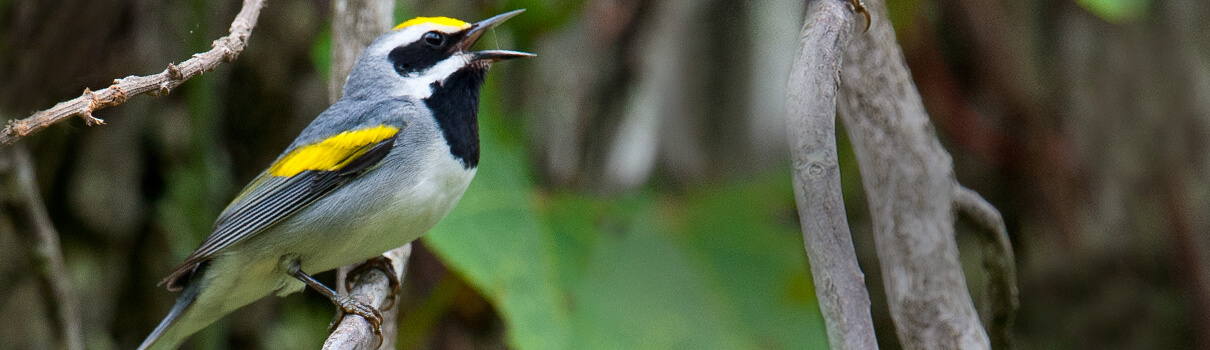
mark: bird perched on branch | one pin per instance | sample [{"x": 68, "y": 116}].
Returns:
[{"x": 376, "y": 170}]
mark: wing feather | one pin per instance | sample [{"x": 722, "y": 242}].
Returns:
[{"x": 311, "y": 172}]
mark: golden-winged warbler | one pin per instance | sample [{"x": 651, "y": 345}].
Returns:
[{"x": 376, "y": 170}]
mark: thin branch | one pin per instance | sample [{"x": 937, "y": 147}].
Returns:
[
  {"x": 373, "y": 287},
  {"x": 224, "y": 49},
  {"x": 999, "y": 262},
  {"x": 811, "y": 106},
  {"x": 909, "y": 184},
  {"x": 21, "y": 202}
]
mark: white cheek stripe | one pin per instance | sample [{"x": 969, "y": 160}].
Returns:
[{"x": 419, "y": 84}]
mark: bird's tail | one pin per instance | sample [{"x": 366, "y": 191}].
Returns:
[
  {"x": 183, "y": 320},
  {"x": 166, "y": 336}
]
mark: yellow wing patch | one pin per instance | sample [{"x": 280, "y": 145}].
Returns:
[
  {"x": 445, "y": 21},
  {"x": 332, "y": 153}
]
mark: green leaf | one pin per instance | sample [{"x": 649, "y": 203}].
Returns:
[{"x": 747, "y": 236}]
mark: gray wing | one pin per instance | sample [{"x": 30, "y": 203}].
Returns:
[{"x": 269, "y": 200}]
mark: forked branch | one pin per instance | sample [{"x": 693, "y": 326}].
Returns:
[
  {"x": 999, "y": 262},
  {"x": 909, "y": 185}
]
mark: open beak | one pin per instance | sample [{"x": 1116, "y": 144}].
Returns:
[{"x": 478, "y": 29}]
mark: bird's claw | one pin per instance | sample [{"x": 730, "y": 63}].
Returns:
[
  {"x": 859, "y": 7},
  {"x": 383, "y": 264},
  {"x": 346, "y": 306}
]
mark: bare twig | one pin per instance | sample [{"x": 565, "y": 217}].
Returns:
[
  {"x": 19, "y": 199},
  {"x": 839, "y": 282},
  {"x": 909, "y": 185},
  {"x": 372, "y": 287},
  {"x": 999, "y": 262},
  {"x": 224, "y": 49}
]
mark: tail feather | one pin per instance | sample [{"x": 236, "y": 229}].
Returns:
[
  {"x": 206, "y": 298},
  {"x": 166, "y": 336}
]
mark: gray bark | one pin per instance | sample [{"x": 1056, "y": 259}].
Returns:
[
  {"x": 839, "y": 282},
  {"x": 998, "y": 260},
  {"x": 910, "y": 186}
]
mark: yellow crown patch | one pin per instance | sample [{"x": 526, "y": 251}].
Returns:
[{"x": 445, "y": 21}]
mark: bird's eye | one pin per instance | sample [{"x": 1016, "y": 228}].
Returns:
[{"x": 434, "y": 39}]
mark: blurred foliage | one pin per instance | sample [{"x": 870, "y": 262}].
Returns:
[{"x": 1117, "y": 10}]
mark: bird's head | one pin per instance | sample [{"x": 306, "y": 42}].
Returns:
[{"x": 421, "y": 54}]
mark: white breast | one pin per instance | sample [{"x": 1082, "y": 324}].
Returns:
[{"x": 416, "y": 207}]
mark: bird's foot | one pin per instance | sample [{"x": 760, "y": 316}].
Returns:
[
  {"x": 383, "y": 264},
  {"x": 346, "y": 305}
]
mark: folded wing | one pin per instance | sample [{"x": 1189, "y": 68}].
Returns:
[{"x": 297, "y": 179}]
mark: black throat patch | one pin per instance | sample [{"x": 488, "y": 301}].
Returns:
[{"x": 455, "y": 105}]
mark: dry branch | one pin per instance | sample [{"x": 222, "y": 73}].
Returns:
[
  {"x": 999, "y": 262},
  {"x": 224, "y": 49},
  {"x": 811, "y": 106},
  {"x": 373, "y": 287},
  {"x": 20, "y": 201},
  {"x": 909, "y": 185}
]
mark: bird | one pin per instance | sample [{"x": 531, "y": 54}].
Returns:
[{"x": 376, "y": 170}]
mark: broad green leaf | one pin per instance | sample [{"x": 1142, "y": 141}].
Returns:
[
  {"x": 746, "y": 235},
  {"x": 641, "y": 290}
]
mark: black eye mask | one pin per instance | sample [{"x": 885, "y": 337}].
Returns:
[{"x": 433, "y": 47}]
